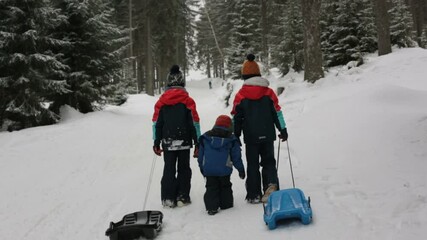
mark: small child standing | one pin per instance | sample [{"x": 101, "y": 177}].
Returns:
[{"x": 219, "y": 151}]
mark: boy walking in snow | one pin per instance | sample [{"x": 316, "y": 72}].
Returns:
[
  {"x": 176, "y": 127},
  {"x": 219, "y": 152},
  {"x": 257, "y": 112}
]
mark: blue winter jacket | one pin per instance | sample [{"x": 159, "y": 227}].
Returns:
[{"x": 218, "y": 154}]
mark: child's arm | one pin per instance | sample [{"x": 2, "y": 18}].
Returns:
[
  {"x": 201, "y": 154},
  {"x": 236, "y": 155}
]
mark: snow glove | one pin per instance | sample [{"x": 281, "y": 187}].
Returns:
[
  {"x": 283, "y": 135},
  {"x": 242, "y": 175},
  {"x": 157, "y": 150},
  {"x": 196, "y": 151}
]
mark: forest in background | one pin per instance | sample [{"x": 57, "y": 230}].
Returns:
[{"x": 86, "y": 53}]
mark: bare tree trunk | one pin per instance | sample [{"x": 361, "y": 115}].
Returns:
[
  {"x": 208, "y": 66},
  {"x": 138, "y": 44},
  {"x": 418, "y": 8},
  {"x": 163, "y": 72},
  {"x": 149, "y": 66},
  {"x": 131, "y": 44},
  {"x": 215, "y": 70},
  {"x": 382, "y": 18},
  {"x": 264, "y": 29},
  {"x": 312, "y": 50}
]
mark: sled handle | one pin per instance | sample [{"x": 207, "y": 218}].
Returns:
[{"x": 290, "y": 164}]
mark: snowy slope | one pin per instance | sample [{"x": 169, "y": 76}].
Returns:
[{"x": 358, "y": 142}]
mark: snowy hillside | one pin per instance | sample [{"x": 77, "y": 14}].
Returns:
[{"x": 358, "y": 142}]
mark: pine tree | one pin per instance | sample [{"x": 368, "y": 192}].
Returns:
[
  {"x": 245, "y": 34},
  {"x": 30, "y": 72},
  {"x": 348, "y": 31},
  {"x": 287, "y": 48},
  {"x": 94, "y": 57},
  {"x": 205, "y": 42},
  {"x": 401, "y": 25}
]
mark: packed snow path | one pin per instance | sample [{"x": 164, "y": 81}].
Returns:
[{"x": 358, "y": 142}]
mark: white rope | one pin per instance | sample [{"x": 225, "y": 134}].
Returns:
[{"x": 153, "y": 166}]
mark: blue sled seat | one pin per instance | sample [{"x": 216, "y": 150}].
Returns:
[{"x": 284, "y": 204}]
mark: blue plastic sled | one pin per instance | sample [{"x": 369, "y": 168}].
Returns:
[{"x": 288, "y": 203}]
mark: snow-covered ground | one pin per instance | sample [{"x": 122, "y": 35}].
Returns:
[{"x": 358, "y": 142}]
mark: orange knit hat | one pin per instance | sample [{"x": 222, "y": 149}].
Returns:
[{"x": 250, "y": 67}]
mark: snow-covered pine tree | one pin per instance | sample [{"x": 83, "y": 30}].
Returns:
[
  {"x": 287, "y": 36},
  {"x": 205, "y": 43},
  {"x": 94, "y": 58},
  {"x": 30, "y": 72},
  {"x": 245, "y": 35},
  {"x": 401, "y": 25},
  {"x": 348, "y": 31},
  {"x": 221, "y": 23},
  {"x": 423, "y": 39}
]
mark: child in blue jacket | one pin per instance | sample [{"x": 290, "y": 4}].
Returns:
[{"x": 219, "y": 151}]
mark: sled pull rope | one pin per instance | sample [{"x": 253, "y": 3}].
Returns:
[
  {"x": 153, "y": 166},
  {"x": 290, "y": 164}
]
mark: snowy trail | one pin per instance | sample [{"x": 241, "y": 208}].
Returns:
[{"x": 358, "y": 141}]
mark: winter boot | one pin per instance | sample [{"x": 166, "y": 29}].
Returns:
[
  {"x": 167, "y": 203},
  {"x": 182, "y": 201},
  {"x": 271, "y": 188},
  {"x": 255, "y": 200},
  {"x": 212, "y": 212}
]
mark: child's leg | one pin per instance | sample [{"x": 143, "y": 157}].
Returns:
[
  {"x": 253, "y": 176},
  {"x": 212, "y": 193},
  {"x": 226, "y": 196},
  {"x": 184, "y": 175},
  {"x": 169, "y": 183},
  {"x": 268, "y": 163}
]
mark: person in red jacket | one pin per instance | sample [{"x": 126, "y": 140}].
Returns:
[
  {"x": 175, "y": 129},
  {"x": 256, "y": 112}
]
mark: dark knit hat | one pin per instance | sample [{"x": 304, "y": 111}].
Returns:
[
  {"x": 175, "y": 77},
  {"x": 174, "y": 69},
  {"x": 250, "y": 57},
  {"x": 223, "y": 121},
  {"x": 250, "y": 67}
]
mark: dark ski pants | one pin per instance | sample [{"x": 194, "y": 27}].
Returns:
[
  {"x": 218, "y": 193},
  {"x": 175, "y": 185},
  {"x": 264, "y": 150}
]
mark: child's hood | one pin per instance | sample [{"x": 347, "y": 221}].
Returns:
[{"x": 217, "y": 142}]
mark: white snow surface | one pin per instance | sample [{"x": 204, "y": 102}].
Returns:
[{"x": 358, "y": 145}]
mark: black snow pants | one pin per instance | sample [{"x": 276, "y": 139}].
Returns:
[
  {"x": 218, "y": 193},
  {"x": 176, "y": 185},
  {"x": 264, "y": 150}
]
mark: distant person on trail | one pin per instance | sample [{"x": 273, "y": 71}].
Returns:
[
  {"x": 257, "y": 112},
  {"x": 219, "y": 152},
  {"x": 176, "y": 127},
  {"x": 210, "y": 84}
]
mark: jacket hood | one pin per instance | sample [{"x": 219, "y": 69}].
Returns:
[
  {"x": 174, "y": 95},
  {"x": 257, "y": 81},
  {"x": 217, "y": 142}
]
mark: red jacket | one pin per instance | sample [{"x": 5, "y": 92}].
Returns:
[
  {"x": 175, "y": 120},
  {"x": 256, "y": 112}
]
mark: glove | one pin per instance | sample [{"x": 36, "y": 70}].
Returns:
[
  {"x": 196, "y": 152},
  {"x": 283, "y": 135},
  {"x": 242, "y": 175},
  {"x": 157, "y": 150}
]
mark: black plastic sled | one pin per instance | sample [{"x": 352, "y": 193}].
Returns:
[{"x": 135, "y": 225}]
